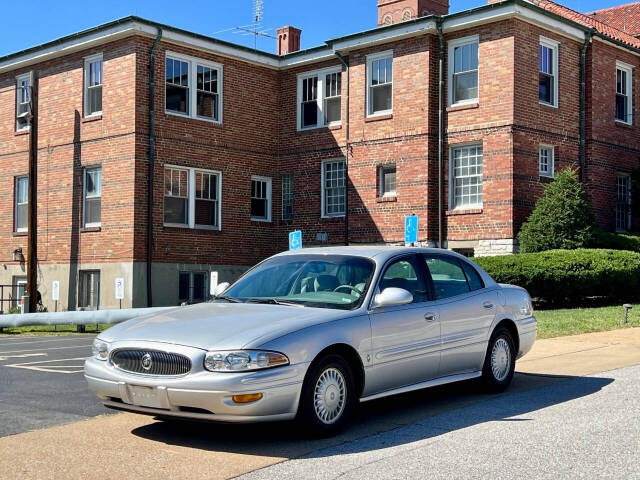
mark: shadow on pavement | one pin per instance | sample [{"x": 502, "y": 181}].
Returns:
[{"x": 437, "y": 410}]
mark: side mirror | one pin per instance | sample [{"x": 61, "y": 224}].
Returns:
[
  {"x": 392, "y": 297},
  {"x": 221, "y": 287}
]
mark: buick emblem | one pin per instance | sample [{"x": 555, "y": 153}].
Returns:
[{"x": 146, "y": 361}]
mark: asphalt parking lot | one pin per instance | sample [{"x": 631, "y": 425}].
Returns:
[{"x": 41, "y": 382}]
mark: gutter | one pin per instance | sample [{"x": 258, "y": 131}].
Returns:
[
  {"x": 346, "y": 163},
  {"x": 583, "y": 103},
  {"x": 152, "y": 155},
  {"x": 440, "y": 131}
]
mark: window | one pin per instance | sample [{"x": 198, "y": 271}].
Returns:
[
  {"x": 548, "y": 77},
  {"x": 387, "y": 181},
  {"x": 192, "y": 287},
  {"x": 261, "y": 199},
  {"x": 89, "y": 289},
  {"x": 92, "y": 196},
  {"x": 380, "y": 83},
  {"x": 624, "y": 111},
  {"x": 193, "y": 87},
  {"x": 474, "y": 280},
  {"x": 466, "y": 176},
  {"x": 623, "y": 202},
  {"x": 287, "y": 196},
  {"x": 546, "y": 161},
  {"x": 93, "y": 85},
  {"x": 23, "y": 97},
  {"x": 192, "y": 198},
  {"x": 447, "y": 275},
  {"x": 333, "y": 188},
  {"x": 463, "y": 70},
  {"x": 402, "y": 273},
  {"x": 19, "y": 289},
  {"x": 21, "y": 203},
  {"x": 319, "y": 98}
]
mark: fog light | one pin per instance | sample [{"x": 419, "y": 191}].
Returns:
[{"x": 247, "y": 398}]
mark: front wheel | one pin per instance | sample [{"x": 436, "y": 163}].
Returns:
[
  {"x": 499, "y": 362},
  {"x": 328, "y": 396}
]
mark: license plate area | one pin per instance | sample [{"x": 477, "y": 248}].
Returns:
[{"x": 145, "y": 396}]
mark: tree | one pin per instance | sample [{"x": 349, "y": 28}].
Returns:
[{"x": 562, "y": 217}]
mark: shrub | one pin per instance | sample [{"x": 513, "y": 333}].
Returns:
[
  {"x": 569, "y": 276},
  {"x": 561, "y": 219},
  {"x": 618, "y": 241}
]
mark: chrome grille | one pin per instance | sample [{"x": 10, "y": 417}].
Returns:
[{"x": 162, "y": 363}]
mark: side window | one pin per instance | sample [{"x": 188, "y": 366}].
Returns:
[
  {"x": 475, "y": 282},
  {"x": 448, "y": 278},
  {"x": 402, "y": 273}
]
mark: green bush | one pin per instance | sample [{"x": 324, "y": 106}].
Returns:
[
  {"x": 569, "y": 276},
  {"x": 561, "y": 219},
  {"x": 618, "y": 241}
]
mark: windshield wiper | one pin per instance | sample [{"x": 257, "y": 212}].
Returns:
[
  {"x": 228, "y": 299},
  {"x": 273, "y": 301}
]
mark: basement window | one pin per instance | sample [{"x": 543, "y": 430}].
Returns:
[
  {"x": 624, "y": 111},
  {"x": 380, "y": 84},
  {"x": 192, "y": 287},
  {"x": 548, "y": 72},
  {"x": 93, "y": 85},
  {"x": 320, "y": 98}
]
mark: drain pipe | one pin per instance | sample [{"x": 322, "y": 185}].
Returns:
[
  {"x": 583, "y": 101},
  {"x": 152, "y": 155},
  {"x": 440, "y": 131},
  {"x": 346, "y": 163}
]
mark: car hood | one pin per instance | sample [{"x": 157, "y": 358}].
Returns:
[{"x": 220, "y": 326}]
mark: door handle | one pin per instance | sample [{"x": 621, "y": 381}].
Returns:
[
  {"x": 430, "y": 317},
  {"x": 487, "y": 305}
]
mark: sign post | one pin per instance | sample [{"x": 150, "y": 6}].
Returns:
[
  {"x": 295, "y": 240},
  {"x": 55, "y": 292},
  {"x": 213, "y": 283},
  {"x": 119, "y": 289},
  {"x": 410, "y": 230}
]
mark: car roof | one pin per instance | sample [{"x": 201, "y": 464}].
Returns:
[{"x": 370, "y": 251}]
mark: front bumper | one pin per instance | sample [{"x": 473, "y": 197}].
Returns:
[{"x": 200, "y": 394}]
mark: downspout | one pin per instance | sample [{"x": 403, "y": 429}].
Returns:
[
  {"x": 346, "y": 163},
  {"x": 440, "y": 131},
  {"x": 152, "y": 156},
  {"x": 583, "y": 102}
]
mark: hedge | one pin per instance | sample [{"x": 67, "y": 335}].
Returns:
[
  {"x": 618, "y": 241},
  {"x": 569, "y": 276}
]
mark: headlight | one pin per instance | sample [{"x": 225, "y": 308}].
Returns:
[
  {"x": 243, "y": 360},
  {"x": 100, "y": 349}
]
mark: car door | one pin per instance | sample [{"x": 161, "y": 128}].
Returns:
[
  {"x": 406, "y": 338},
  {"x": 467, "y": 310}
]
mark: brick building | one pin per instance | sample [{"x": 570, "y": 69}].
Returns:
[{"x": 340, "y": 141}]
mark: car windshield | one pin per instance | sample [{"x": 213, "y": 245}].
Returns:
[{"x": 324, "y": 281}]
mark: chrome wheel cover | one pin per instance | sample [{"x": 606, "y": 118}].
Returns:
[
  {"x": 500, "y": 359},
  {"x": 329, "y": 396}
]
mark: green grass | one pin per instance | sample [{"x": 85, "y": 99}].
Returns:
[
  {"x": 573, "y": 321},
  {"x": 47, "y": 330}
]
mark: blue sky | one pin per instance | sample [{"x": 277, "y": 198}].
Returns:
[{"x": 46, "y": 20}]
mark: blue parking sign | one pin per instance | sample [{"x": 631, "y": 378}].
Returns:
[
  {"x": 411, "y": 229},
  {"x": 295, "y": 240}
]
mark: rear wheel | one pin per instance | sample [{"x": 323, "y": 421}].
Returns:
[
  {"x": 328, "y": 396},
  {"x": 499, "y": 362}
]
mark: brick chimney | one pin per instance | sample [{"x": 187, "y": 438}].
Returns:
[
  {"x": 396, "y": 11},
  {"x": 288, "y": 40}
]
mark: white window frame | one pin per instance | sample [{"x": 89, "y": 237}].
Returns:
[
  {"x": 15, "y": 203},
  {"x": 191, "y": 198},
  {"x": 19, "y": 78},
  {"x": 322, "y": 77},
  {"x": 553, "y": 45},
  {"x": 551, "y": 160},
  {"x": 267, "y": 180},
  {"x": 193, "y": 63},
  {"x": 322, "y": 187},
  {"x": 381, "y": 192},
  {"x": 452, "y": 45},
  {"x": 84, "y": 197},
  {"x": 87, "y": 63},
  {"x": 626, "y": 203},
  {"x": 370, "y": 59},
  {"x": 628, "y": 69},
  {"x": 452, "y": 193}
]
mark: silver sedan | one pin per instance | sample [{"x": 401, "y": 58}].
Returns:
[{"x": 309, "y": 334}]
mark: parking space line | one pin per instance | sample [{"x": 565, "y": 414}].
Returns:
[
  {"x": 5, "y": 357},
  {"x": 50, "y": 368},
  {"x": 45, "y": 349},
  {"x": 11, "y": 344}
]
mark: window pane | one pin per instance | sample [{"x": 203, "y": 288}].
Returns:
[
  {"x": 388, "y": 180},
  {"x": 334, "y": 188},
  {"x": 467, "y": 176},
  {"x": 475, "y": 282},
  {"x": 92, "y": 210},
  {"x": 207, "y": 105},
  {"x": 465, "y": 86},
  {"x": 183, "y": 286},
  {"x": 177, "y": 99},
  {"x": 175, "y": 210},
  {"x": 546, "y": 88},
  {"x": 94, "y": 100},
  {"x": 21, "y": 217},
  {"x": 448, "y": 278},
  {"x": 380, "y": 98},
  {"x": 258, "y": 208},
  {"x": 621, "y": 108},
  {"x": 199, "y": 287},
  {"x": 309, "y": 114},
  {"x": 206, "y": 213},
  {"x": 332, "y": 110}
]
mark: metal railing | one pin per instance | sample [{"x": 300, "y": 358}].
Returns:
[{"x": 9, "y": 300}]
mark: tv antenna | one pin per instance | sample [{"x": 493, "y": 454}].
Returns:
[{"x": 256, "y": 29}]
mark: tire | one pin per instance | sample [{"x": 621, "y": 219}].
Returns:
[
  {"x": 328, "y": 376},
  {"x": 499, "y": 362}
]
